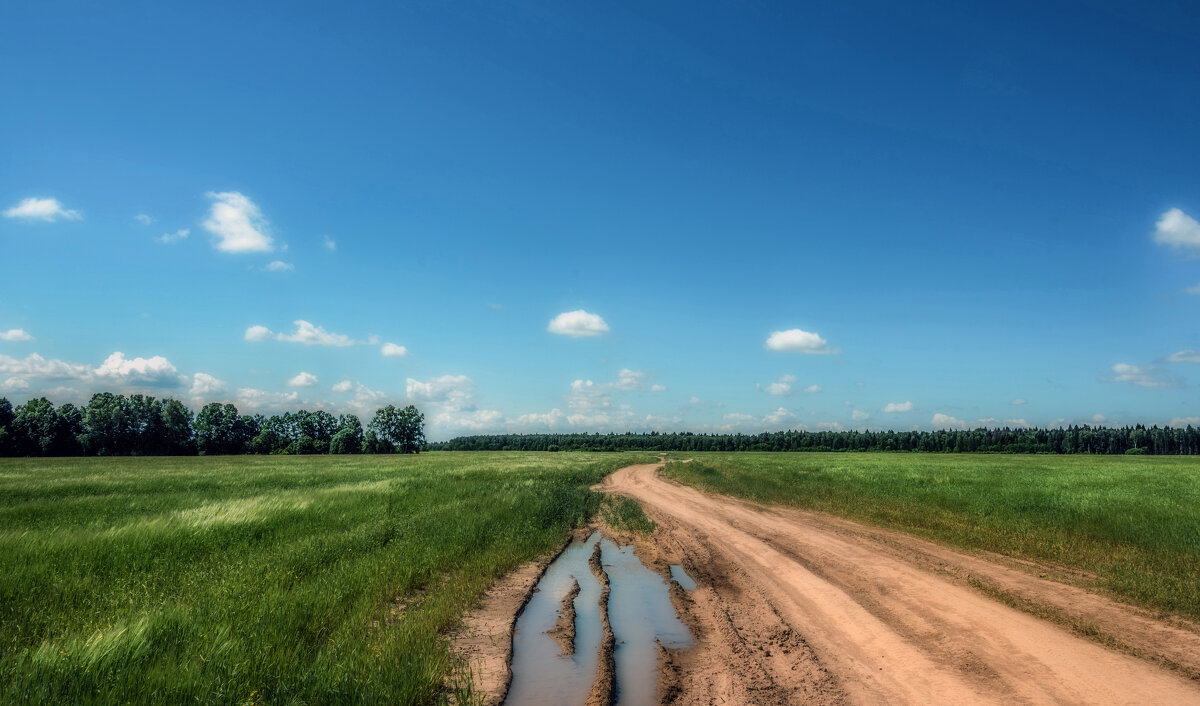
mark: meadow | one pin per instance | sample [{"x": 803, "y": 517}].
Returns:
[
  {"x": 256, "y": 579},
  {"x": 1132, "y": 521}
]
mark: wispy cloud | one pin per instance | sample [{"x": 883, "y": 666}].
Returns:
[
  {"x": 168, "y": 238},
  {"x": 1142, "y": 376},
  {"x": 15, "y": 334},
  {"x": 38, "y": 209}
]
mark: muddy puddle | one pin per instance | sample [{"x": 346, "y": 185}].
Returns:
[
  {"x": 679, "y": 576},
  {"x": 544, "y": 671}
]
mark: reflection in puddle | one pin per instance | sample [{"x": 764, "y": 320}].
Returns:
[
  {"x": 640, "y": 613},
  {"x": 680, "y": 577},
  {"x": 541, "y": 673}
]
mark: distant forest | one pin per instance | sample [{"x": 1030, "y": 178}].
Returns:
[
  {"x": 1069, "y": 440},
  {"x": 140, "y": 425}
]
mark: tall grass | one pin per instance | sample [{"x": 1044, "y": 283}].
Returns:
[
  {"x": 1134, "y": 522},
  {"x": 263, "y": 579}
]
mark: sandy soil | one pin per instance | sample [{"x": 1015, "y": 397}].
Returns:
[{"x": 800, "y": 607}]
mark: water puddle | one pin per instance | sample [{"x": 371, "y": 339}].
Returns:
[
  {"x": 541, "y": 673},
  {"x": 640, "y": 611},
  {"x": 640, "y": 614},
  {"x": 679, "y": 576}
]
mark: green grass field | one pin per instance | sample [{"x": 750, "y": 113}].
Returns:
[
  {"x": 285, "y": 579},
  {"x": 1132, "y": 521}
]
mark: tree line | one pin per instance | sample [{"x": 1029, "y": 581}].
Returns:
[
  {"x": 140, "y": 425},
  {"x": 1068, "y": 440}
]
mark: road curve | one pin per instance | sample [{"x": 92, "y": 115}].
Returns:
[{"x": 799, "y": 607}]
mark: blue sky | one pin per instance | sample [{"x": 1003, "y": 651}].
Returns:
[{"x": 753, "y": 216}]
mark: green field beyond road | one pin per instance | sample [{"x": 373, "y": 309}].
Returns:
[
  {"x": 1132, "y": 521},
  {"x": 284, "y": 579}
]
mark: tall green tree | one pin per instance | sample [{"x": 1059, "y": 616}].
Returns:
[
  {"x": 7, "y": 444},
  {"x": 108, "y": 428},
  {"x": 349, "y": 436},
  {"x": 395, "y": 430},
  {"x": 39, "y": 430},
  {"x": 220, "y": 430}
]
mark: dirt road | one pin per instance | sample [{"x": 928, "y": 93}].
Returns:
[{"x": 800, "y": 607}]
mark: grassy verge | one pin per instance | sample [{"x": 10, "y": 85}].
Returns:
[
  {"x": 263, "y": 579},
  {"x": 1133, "y": 522},
  {"x": 625, "y": 515}
]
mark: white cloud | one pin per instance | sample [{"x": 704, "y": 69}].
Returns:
[
  {"x": 343, "y": 386},
  {"x": 279, "y": 266},
  {"x": 144, "y": 219},
  {"x": 35, "y": 367},
  {"x": 893, "y": 407},
  {"x": 14, "y": 384},
  {"x": 457, "y": 390},
  {"x": 303, "y": 380},
  {"x": 1016, "y": 422},
  {"x": 312, "y": 335},
  {"x": 780, "y": 416},
  {"x": 630, "y": 379},
  {"x": 1142, "y": 376},
  {"x": 168, "y": 238},
  {"x": 328, "y": 243},
  {"x": 831, "y": 426},
  {"x": 1177, "y": 229},
  {"x": 15, "y": 334},
  {"x": 1188, "y": 356},
  {"x": 115, "y": 371},
  {"x": 205, "y": 385},
  {"x": 252, "y": 399},
  {"x": 1179, "y": 422},
  {"x": 305, "y": 333},
  {"x": 451, "y": 401},
  {"x": 578, "y": 324},
  {"x": 237, "y": 223},
  {"x": 551, "y": 419},
  {"x": 782, "y": 386},
  {"x": 658, "y": 388},
  {"x": 1018, "y": 402},
  {"x": 120, "y": 370},
  {"x": 35, "y": 209},
  {"x": 1194, "y": 289},
  {"x": 391, "y": 350},
  {"x": 945, "y": 421},
  {"x": 1099, "y": 418},
  {"x": 858, "y": 415},
  {"x": 798, "y": 341},
  {"x": 366, "y": 400},
  {"x": 812, "y": 390}
]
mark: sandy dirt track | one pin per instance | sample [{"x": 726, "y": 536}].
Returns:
[{"x": 801, "y": 607}]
